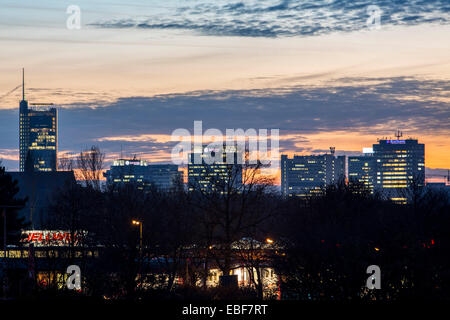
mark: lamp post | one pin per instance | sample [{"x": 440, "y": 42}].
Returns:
[{"x": 139, "y": 223}]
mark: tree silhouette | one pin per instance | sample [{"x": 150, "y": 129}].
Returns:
[{"x": 9, "y": 205}]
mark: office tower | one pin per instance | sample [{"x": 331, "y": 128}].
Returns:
[
  {"x": 400, "y": 164},
  {"x": 38, "y": 135},
  {"x": 207, "y": 176},
  {"x": 308, "y": 175},
  {"x": 143, "y": 174},
  {"x": 361, "y": 169}
]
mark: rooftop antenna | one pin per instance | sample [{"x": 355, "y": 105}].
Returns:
[
  {"x": 399, "y": 134},
  {"x": 23, "y": 84},
  {"x": 332, "y": 150}
]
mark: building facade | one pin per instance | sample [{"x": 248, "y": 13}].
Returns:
[
  {"x": 308, "y": 175},
  {"x": 143, "y": 174},
  {"x": 361, "y": 169},
  {"x": 209, "y": 170},
  {"x": 38, "y": 136},
  {"x": 399, "y": 165}
]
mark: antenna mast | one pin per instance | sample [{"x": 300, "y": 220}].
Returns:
[
  {"x": 23, "y": 84},
  {"x": 332, "y": 150}
]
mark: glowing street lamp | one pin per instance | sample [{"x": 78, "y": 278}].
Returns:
[
  {"x": 268, "y": 240},
  {"x": 139, "y": 223}
]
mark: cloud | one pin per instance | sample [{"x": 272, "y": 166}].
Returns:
[
  {"x": 143, "y": 125},
  {"x": 353, "y": 103},
  {"x": 273, "y": 18}
]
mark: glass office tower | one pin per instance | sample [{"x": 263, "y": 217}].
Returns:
[
  {"x": 308, "y": 175},
  {"x": 399, "y": 165},
  {"x": 217, "y": 176},
  {"x": 38, "y": 136},
  {"x": 143, "y": 174},
  {"x": 361, "y": 169}
]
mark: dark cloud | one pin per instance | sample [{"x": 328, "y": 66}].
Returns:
[
  {"x": 272, "y": 18},
  {"x": 371, "y": 106}
]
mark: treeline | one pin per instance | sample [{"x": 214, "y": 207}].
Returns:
[{"x": 322, "y": 245}]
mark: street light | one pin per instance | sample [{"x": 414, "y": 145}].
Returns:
[
  {"x": 139, "y": 223},
  {"x": 268, "y": 240}
]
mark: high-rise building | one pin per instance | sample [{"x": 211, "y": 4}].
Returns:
[
  {"x": 399, "y": 165},
  {"x": 361, "y": 169},
  {"x": 308, "y": 175},
  {"x": 217, "y": 175},
  {"x": 38, "y": 135},
  {"x": 143, "y": 174}
]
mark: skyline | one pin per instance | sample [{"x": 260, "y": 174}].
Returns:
[{"x": 341, "y": 86}]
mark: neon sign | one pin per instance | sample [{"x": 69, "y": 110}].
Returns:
[{"x": 51, "y": 238}]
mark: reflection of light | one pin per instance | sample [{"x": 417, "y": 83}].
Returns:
[{"x": 239, "y": 274}]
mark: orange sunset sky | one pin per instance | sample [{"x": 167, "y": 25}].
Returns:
[{"x": 127, "y": 88}]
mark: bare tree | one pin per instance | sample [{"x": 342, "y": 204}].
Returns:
[
  {"x": 90, "y": 166},
  {"x": 65, "y": 163},
  {"x": 231, "y": 209}
]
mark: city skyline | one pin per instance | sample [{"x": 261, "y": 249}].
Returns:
[
  {"x": 342, "y": 86},
  {"x": 225, "y": 158},
  {"x": 441, "y": 173}
]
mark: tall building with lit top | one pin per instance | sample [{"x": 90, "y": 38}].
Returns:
[
  {"x": 399, "y": 164},
  {"x": 38, "y": 135},
  {"x": 308, "y": 175}
]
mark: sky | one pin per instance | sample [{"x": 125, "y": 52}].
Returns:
[{"x": 316, "y": 70}]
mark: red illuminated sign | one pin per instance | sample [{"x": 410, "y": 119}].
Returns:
[{"x": 50, "y": 238}]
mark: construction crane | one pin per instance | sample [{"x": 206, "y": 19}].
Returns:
[
  {"x": 10, "y": 92},
  {"x": 36, "y": 104}
]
